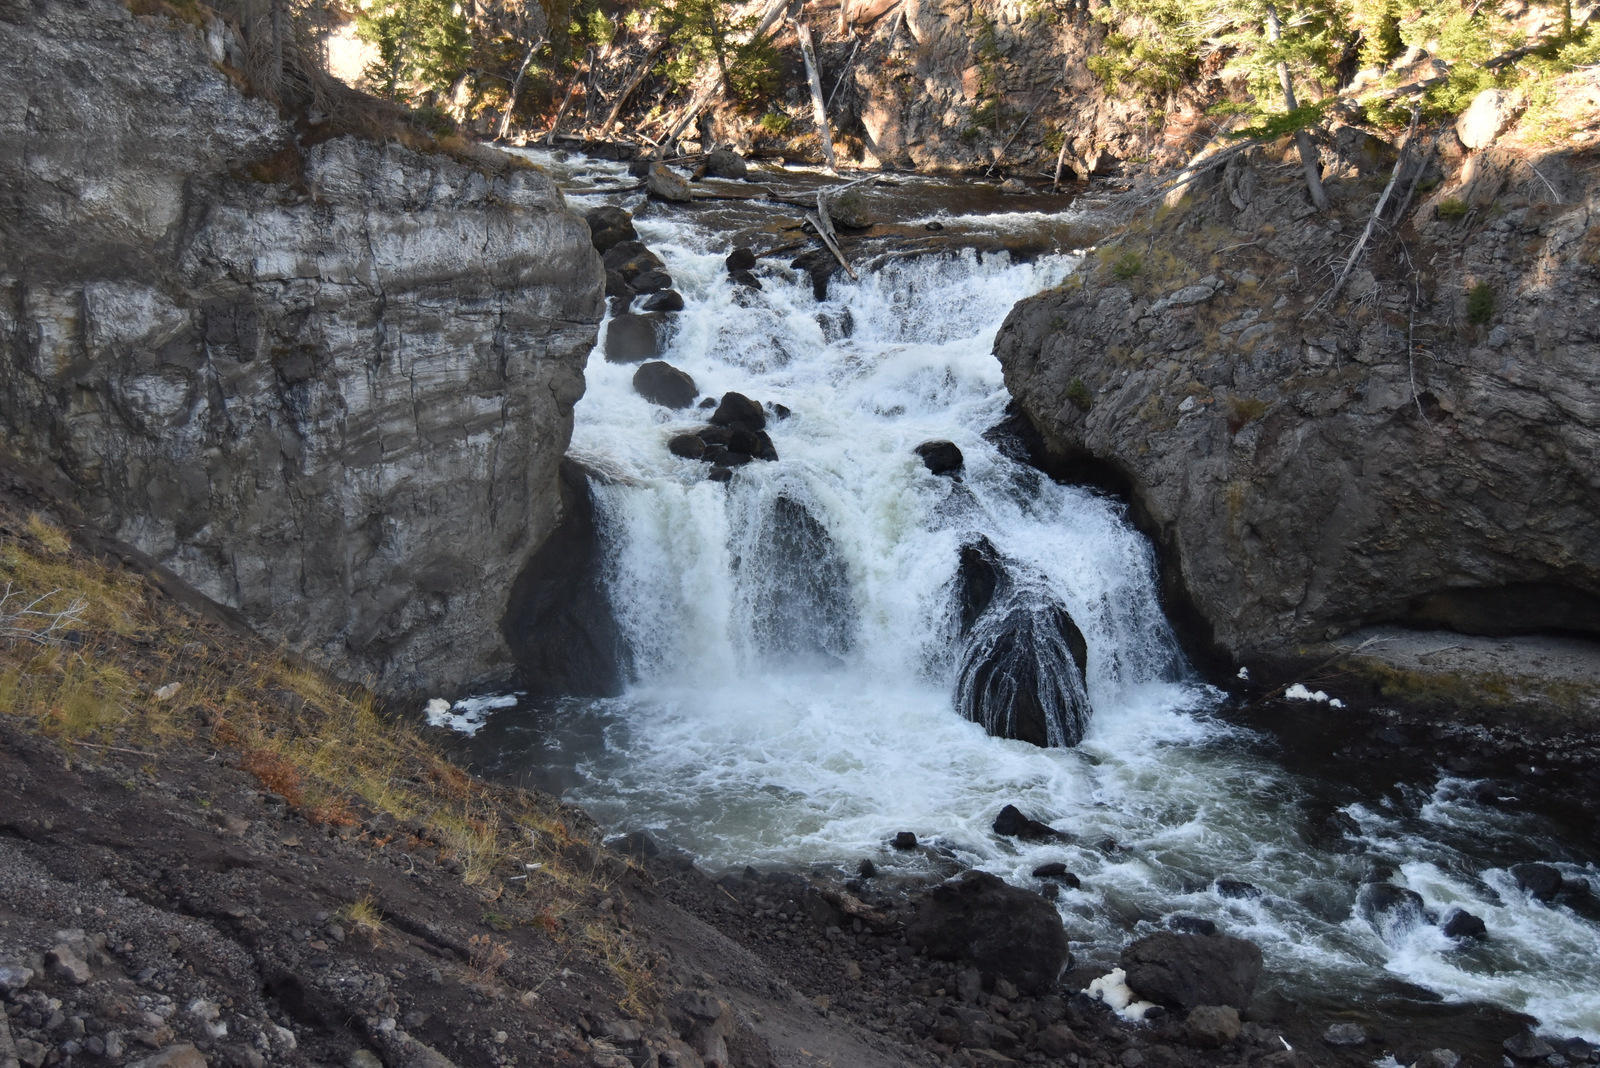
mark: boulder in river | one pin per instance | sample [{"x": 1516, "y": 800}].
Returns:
[
  {"x": 610, "y": 227},
  {"x": 940, "y": 457},
  {"x": 740, "y": 259},
  {"x": 848, "y": 208},
  {"x": 1011, "y": 823},
  {"x": 737, "y": 408},
  {"x": 1541, "y": 881},
  {"x": 1185, "y": 971},
  {"x": 661, "y": 383},
  {"x": 1463, "y": 924},
  {"x": 664, "y": 183},
  {"x": 688, "y": 446},
  {"x": 801, "y": 603},
  {"x": 667, "y": 300},
  {"x": 654, "y": 280},
  {"x": 1021, "y": 675},
  {"x": 724, "y": 162},
  {"x": 977, "y": 578},
  {"x": 631, "y": 338},
  {"x": 1004, "y": 932}
]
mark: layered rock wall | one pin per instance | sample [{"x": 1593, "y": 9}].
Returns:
[
  {"x": 1423, "y": 448},
  {"x": 330, "y": 386}
]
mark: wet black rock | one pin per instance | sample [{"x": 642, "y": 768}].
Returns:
[
  {"x": 800, "y": 597},
  {"x": 637, "y": 844},
  {"x": 1463, "y": 924},
  {"x": 781, "y": 411},
  {"x": 1541, "y": 881},
  {"x": 617, "y": 287},
  {"x": 904, "y": 840},
  {"x": 688, "y": 446},
  {"x": 1011, "y": 823},
  {"x": 1237, "y": 888},
  {"x": 1527, "y": 1046},
  {"x": 1345, "y": 1034},
  {"x": 867, "y": 869},
  {"x": 1058, "y": 872},
  {"x": 1379, "y": 900},
  {"x": 724, "y": 162},
  {"x": 933, "y": 226},
  {"x": 1022, "y": 675},
  {"x": 610, "y": 227},
  {"x": 737, "y": 408},
  {"x": 1184, "y": 971},
  {"x": 940, "y": 457},
  {"x": 1438, "y": 1058},
  {"x": 653, "y": 280},
  {"x": 719, "y": 474},
  {"x": 606, "y": 240},
  {"x": 631, "y": 338},
  {"x": 746, "y": 279},
  {"x": 631, "y": 258},
  {"x": 740, "y": 259},
  {"x": 977, "y": 578},
  {"x": 1004, "y": 932},
  {"x": 709, "y": 402},
  {"x": 667, "y": 300},
  {"x": 724, "y": 457},
  {"x": 1050, "y": 891},
  {"x": 1195, "y": 925},
  {"x": 558, "y": 621},
  {"x": 661, "y": 383}
]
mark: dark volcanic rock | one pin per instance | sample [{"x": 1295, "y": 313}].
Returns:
[
  {"x": 1005, "y": 932},
  {"x": 1237, "y": 888},
  {"x": 631, "y": 338},
  {"x": 1184, "y": 971},
  {"x": 737, "y": 408},
  {"x": 904, "y": 840},
  {"x": 1463, "y": 924},
  {"x": 1022, "y": 674},
  {"x": 688, "y": 446},
  {"x": 558, "y": 621},
  {"x": 661, "y": 383},
  {"x": 1541, "y": 881},
  {"x": 740, "y": 259},
  {"x": 940, "y": 457},
  {"x": 1013, "y": 824},
  {"x": 977, "y": 578},
  {"x": 668, "y": 300}
]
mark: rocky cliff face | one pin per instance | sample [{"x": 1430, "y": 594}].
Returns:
[
  {"x": 329, "y": 387},
  {"x": 1422, "y": 449}
]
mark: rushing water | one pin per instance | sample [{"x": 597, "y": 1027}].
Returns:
[{"x": 793, "y": 703}]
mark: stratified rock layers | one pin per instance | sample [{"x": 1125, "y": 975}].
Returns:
[{"x": 330, "y": 387}]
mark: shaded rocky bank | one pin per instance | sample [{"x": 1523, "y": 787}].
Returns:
[
  {"x": 1311, "y": 463},
  {"x": 327, "y": 383}
]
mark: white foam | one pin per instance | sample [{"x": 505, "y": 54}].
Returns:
[
  {"x": 1113, "y": 989},
  {"x": 468, "y": 715}
]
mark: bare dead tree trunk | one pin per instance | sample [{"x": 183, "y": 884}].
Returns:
[
  {"x": 844, "y": 17},
  {"x": 632, "y": 84},
  {"x": 1302, "y": 139},
  {"x": 819, "y": 109},
  {"x": 516, "y": 88}
]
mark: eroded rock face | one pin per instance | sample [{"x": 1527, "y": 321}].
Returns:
[
  {"x": 1305, "y": 470},
  {"x": 336, "y": 402}
]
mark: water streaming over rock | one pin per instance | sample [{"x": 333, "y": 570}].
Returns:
[{"x": 804, "y": 639}]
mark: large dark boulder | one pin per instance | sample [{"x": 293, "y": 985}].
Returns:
[
  {"x": 1012, "y": 823},
  {"x": 1022, "y": 673},
  {"x": 1183, "y": 971},
  {"x": 558, "y": 620},
  {"x": 737, "y": 408},
  {"x": 631, "y": 338},
  {"x": 661, "y": 383},
  {"x": 1540, "y": 881},
  {"x": 724, "y": 162},
  {"x": 940, "y": 457},
  {"x": 1004, "y": 932},
  {"x": 608, "y": 217},
  {"x": 977, "y": 579}
]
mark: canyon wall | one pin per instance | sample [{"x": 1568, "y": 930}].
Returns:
[
  {"x": 328, "y": 384},
  {"x": 1421, "y": 449}
]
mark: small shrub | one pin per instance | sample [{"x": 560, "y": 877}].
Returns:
[
  {"x": 362, "y": 917},
  {"x": 488, "y": 956},
  {"x": 275, "y": 773},
  {"x": 1078, "y": 394},
  {"x": 1451, "y": 209},
  {"x": 1127, "y": 265},
  {"x": 1480, "y": 304},
  {"x": 776, "y": 123},
  {"x": 495, "y": 922}
]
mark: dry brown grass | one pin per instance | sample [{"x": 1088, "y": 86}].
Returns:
[{"x": 325, "y": 746}]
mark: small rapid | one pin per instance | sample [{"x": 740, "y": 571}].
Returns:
[{"x": 796, "y": 650}]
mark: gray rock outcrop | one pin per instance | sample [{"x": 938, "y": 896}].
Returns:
[
  {"x": 1422, "y": 451},
  {"x": 329, "y": 386}
]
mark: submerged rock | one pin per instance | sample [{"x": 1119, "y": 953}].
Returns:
[
  {"x": 940, "y": 457},
  {"x": 665, "y": 183},
  {"x": 801, "y": 604},
  {"x": 1463, "y": 924},
  {"x": 1184, "y": 971},
  {"x": 667, "y": 300},
  {"x": 1004, "y": 932},
  {"x": 1540, "y": 881},
  {"x": 688, "y": 446},
  {"x": 977, "y": 578}
]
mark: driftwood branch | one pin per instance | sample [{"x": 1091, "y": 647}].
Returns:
[
  {"x": 824, "y": 227},
  {"x": 1377, "y": 211},
  {"x": 819, "y": 108}
]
